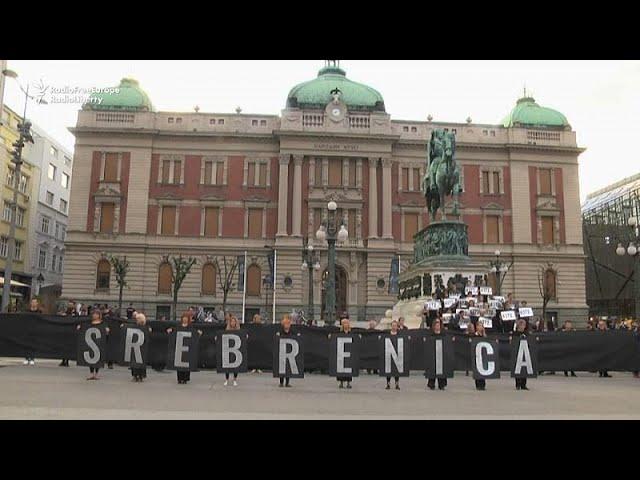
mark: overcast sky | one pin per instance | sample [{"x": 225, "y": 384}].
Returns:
[{"x": 601, "y": 99}]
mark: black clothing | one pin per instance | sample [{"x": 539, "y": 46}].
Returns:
[
  {"x": 442, "y": 383},
  {"x": 521, "y": 384},
  {"x": 130, "y": 311},
  {"x": 93, "y": 370},
  {"x": 235, "y": 375},
  {"x": 481, "y": 384},
  {"x": 283, "y": 379},
  {"x": 139, "y": 373},
  {"x": 183, "y": 376}
]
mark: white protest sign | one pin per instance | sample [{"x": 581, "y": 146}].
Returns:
[
  {"x": 526, "y": 312},
  {"x": 486, "y": 291},
  {"x": 487, "y": 322},
  {"x": 471, "y": 290},
  {"x": 508, "y": 315},
  {"x": 446, "y": 318},
  {"x": 433, "y": 305},
  {"x": 449, "y": 302}
]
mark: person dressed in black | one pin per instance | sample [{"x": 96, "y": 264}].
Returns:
[
  {"x": 96, "y": 319},
  {"x": 130, "y": 312},
  {"x": 232, "y": 325},
  {"x": 436, "y": 330},
  {"x": 345, "y": 327},
  {"x": 568, "y": 327},
  {"x": 34, "y": 307},
  {"x": 602, "y": 327},
  {"x": 140, "y": 373},
  {"x": 372, "y": 328},
  {"x": 184, "y": 376},
  {"x": 521, "y": 331},
  {"x": 401, "y": 324},
  {"x": 285, "y": 331},
  {"x": 395, "y": 328},
  {"x": 481, "y": 384}
]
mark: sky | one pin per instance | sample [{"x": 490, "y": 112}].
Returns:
[{"x": 601, "y": 99}]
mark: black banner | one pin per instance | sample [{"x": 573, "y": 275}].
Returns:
[
  {"x": 524, "y": 357},
  {"x": 394, "y": 355},
  {"x": 182, "y": 354},
  {"x": 485, "y": 353},
  {"x": 55, "y": 337},
  {"x": 134, "y": 345},
  {"x": 231, "y": 352},
  {"x": 288, "y": 356},
  {"x": 439, "y": 356},
  {"x": 92, "y": 340},
  {"x": 344, "y": 354}
]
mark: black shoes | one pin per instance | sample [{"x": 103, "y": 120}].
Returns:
[
  {"x": 341, "y": 385},
  {"x": 431, "y": 387},
  {"x": 348, "y": 384},
  {"x": 397, "y": 387},
  {"x": 524, "y": 388},
  {"x": 388, "y": 387},
  {"x": 441, "y": 388}
]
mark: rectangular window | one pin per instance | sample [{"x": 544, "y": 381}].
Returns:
[
  {"x": 20, "y": 217},
  {"x": 493, "y": 229},
  {"x": 547, "y": 231},
  {"x": 60, "y": 258},
  {"x": 177, "y": 171},
  {"x": 335, "y": 172},
  {"x": 57, "y": 235},
  {"x": 64, "y": 180},
  {"x": 496, "y": 182},
  {"x": 485, "y": 183},
  {"x": 11, "y": 178},
  {"x": 111, "y": 167},
  {"x": 251, "y": 174},
  {"x": 42, "y": 259},
  {"x": 6, "y": 212},
  {"x": 18, "y": 251},
  {"x": 208, "y": 170},
  {"x": 405, "y": 179},
  {"x": 53, "y": 151},
  {"x": 318, "y": 168},
  {"x": 107, "y": 213},
  {"x": 67, "y": 161},
  {"x": 4, "y": 246},
  {"x": 23, "y": 184},
  {"x": 416, "y": 179},
  {"x": 317, "y": 219},
  {"x": 211, "y": 222},
  {"x": 168, "y": 221},
  {"x": 352, "y": 172},
  {"x": 545, "y": 181},
  {"x": 166, "y": 169},
  {"x": 63, "y": 233},
  {"x": 220, "y": 173},
  {"x": 262, "y": 175},
  {"x": 49, "y": 198},
  {"x": 63, "y": 205},
  {"x": 255, "y": 223},
  {"x": 410, "y": 226},
  {"x": 54, "y": 262},
  {"x": 352, "y": 225},
  {"x": 44, "y": 225},
  {"x": 52, "y": 172}
]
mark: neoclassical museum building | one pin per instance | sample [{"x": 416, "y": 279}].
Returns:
[{"x": 150, "y": 184}]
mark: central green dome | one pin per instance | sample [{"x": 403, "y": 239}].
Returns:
[
  {"x": 127, "y": 96},
  {"x": 528, "y": 113},
  {"x": 316, "y": 93}
]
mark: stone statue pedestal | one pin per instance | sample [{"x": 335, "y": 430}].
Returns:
[{"x": 440, "y": 259}]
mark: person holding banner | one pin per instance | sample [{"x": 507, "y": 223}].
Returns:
[
  {"x": 436, "y": 330},
  {"x": 345, "y": 327},
  {"x": 184, "y": 376},
  {"x": 140, "y": 373},
  {"x": 602, "y": 327},
  {"x": 567, "y": 327},
  {"x": 394, "y": 331},
  {"x": 481, "y": 383},
  {"x": 232, "y": 325},
  {"x": 285, "y": 331},
  {"x": 96, "y": 319},
  {"x": 521, "y": 331}
]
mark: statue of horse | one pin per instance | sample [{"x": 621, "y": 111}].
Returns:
[{"x": 443, "y": 173}]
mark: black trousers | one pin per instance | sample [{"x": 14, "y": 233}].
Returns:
[
  {"x": 521, "y": 382},
  {"x": 397, "y": 379},
  {"x": 235, "y": 375},
  {"x": 344, "y": 379},
  {"x": 372, "y": 371},
  {"x": 139, "y": 372},
  {"x": 442, "y": 382},
  {"x": 481, "y": 383},
  {"x": 93, "y": 370},
  {"x": 183, "y": 375},
  {"x": 282, "y": 380}
]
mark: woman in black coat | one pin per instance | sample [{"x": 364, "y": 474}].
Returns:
[
  {"x": 436, "y": 330},
  {"x": 345, "y": 327},
  {"x": 521, "y": 327}
]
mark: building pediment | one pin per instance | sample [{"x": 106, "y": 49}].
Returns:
[
  {"x": 492, "y": 206},
  {"x": 108, "y": 190}
]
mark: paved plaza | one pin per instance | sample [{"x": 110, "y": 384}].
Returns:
[{"x": 46, "y": 391}]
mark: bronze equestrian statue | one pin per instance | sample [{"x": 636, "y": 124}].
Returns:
[{"x": 442, "y": 177}]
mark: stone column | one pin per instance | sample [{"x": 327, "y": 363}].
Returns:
[
  {"x": 283, "y": 187},
  {"x": 373, "y": 198},
  {"x": 387, "y": 231},
  {"x": 296, "y": 218}
]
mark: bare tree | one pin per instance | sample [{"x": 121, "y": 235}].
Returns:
[
  {"x": 547, "y": 288},
  {"x": 120, "y": 267},
  {"x": 226, "y": 270},
  {"x": 179, "y": 270}
]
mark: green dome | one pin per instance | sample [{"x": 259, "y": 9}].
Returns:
[
  {"x": 126, "y": 96},
  {"x": 528, "y": 113},
  {"x": 317, "y": 92}
]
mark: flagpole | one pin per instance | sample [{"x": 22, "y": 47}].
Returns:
[
  {"x": 244, "y": 290},
  {"x": 275, "y": 267}
]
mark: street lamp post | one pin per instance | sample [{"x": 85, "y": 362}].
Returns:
[
  {"x": 310, "y": 262},
  {"x": 331, "y": 231},
  {"x": 25, "y": 136},
  {"x": 500, "y": 270},
  {"x": 634, "y": 252}
]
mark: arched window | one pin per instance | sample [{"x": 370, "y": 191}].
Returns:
[
  {"x": 253, "y": 280},
  {"x": 164, "y": 278},
  {"x": 103, "y": 274},
  {"x": 550, "y": 283},
  {"x": 208, "y": 279}
]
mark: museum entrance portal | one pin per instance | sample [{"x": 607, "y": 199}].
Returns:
[{"x": 341, "y": 291}]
